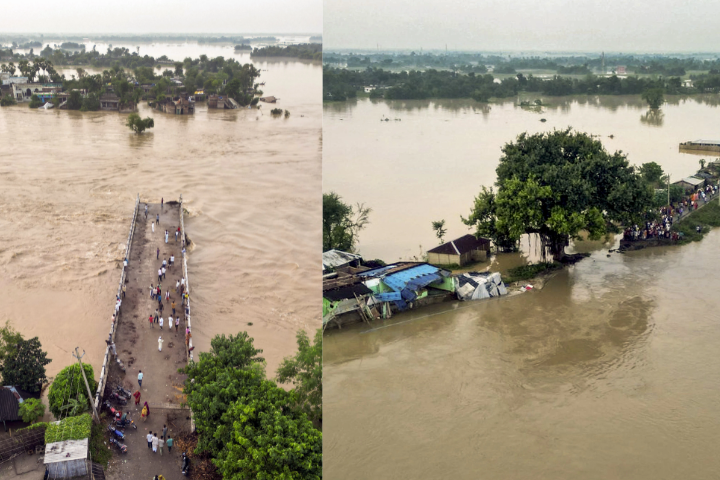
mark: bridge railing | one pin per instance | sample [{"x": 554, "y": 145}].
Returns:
[{"x": 104, "y": 372}]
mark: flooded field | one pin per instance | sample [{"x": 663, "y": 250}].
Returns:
[
  {"x": 607, "y": 372},
  {"x": 68, "y": 182}
]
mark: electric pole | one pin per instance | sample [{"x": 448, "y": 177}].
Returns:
[{"x": 90, "y": 395}]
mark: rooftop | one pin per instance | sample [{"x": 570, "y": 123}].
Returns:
[
  {"x": 66, "y": 450},
  {"x": 338, "y": 258},
  {"x": 459, "y": 246}
]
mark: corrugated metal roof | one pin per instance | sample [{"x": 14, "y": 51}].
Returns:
[
  {"x": 693, "y": 180},
  {"x": 708, "y": 142},
  {"x": 66, "y": 450},
  {"x": 466, "y": 243},
  {"x": 338, "y": 258}
]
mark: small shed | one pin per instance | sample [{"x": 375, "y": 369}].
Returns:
[
  {"x": 268, "y": 99},
  {"x": 9, "y": 405},
  {"x": 67, "y": 459},
  {"x": 334, "y": 259},
  {"x": 109, "y": 101},
  {"x": 690, "y": 184},
  {"x": 460, "y": 251}
]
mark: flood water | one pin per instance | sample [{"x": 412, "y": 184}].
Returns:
[
  {"x": 68, "y": 182},
  {"x": 609, "y": 371},
  {"x": 430, "y": 164}
]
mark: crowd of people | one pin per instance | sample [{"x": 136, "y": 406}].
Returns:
[{"x": 662, "y": 228}]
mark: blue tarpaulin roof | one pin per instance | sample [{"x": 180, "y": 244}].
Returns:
[{"x": 405, "y": 283}]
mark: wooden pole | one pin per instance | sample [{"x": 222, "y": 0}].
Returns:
[{"x": 82, "y": 370}]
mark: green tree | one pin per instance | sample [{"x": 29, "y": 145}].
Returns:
[
  {"x": 139, "y": 125},
  {"x": 35, "y": 101},
  {"x": 24, "y": 365},
  {"x": 247, "y": 423},
  {"x": 69, "y": 386},
  {"x": 342, "y": 223},
  {"x": 31, "y": 409},
  {"x": 304, "y": 371},
  {"x": 653, "y": 174},
  {"x": 440, "y": 230},
  {"x": 75, "y": 100},
  {"x": 555, "y": 185},
  {"x": 91, "y": 103},
  {"x": 7, "y": 100},
  {"x": 9, "y": 339},
  {"x": 654, "y": 97}
]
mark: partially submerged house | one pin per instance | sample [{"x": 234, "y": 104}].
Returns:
[
  {"x": 269, "y": 99},
  {"x": 222, "y": 102},
  {"x": 404, "y": 283},
  {"x": 460, "y": 251},
  {"x": 176, "y": 105},
  {"x": 109, "y": 101}
]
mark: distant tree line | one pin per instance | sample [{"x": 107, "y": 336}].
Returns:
[
  {"x": 341, "y": 84},
  {"x": 305, "y": 51}
]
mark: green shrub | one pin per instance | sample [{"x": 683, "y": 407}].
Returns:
[
  {"x": 276, "y": 111},
  {"x": 31, "y": 409},
  {"x": 69, "y": 386},
  {"x": 70, "y": 428},
  {"x": 7, "y": 100},
  {"x": 35, "y": 102}
]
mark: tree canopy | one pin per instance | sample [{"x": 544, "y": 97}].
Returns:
[
  {"x": 22, "y": 362},
  {"x": 342, "y": 223},
  {"x": 68, "y": 395},
  {"x": 654, "y": 97},
  {"x": 555, "y": 185},
  {"x": 249, "y": 425},
  {"x": 304, "y": 371},
  {"x": 139, "y": 125}
]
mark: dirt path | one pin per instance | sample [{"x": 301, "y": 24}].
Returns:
[{"x": 137, "y": 346}]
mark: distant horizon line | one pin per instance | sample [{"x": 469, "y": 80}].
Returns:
[
  {"x": 160, "y": 33},
  {"x": 528, "y": 51}
]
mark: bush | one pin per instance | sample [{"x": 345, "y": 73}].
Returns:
[
  {"x": 7, "y": 100},
  {"x": 31, "y": 409},
  {"x": 24, "y": 365},
  {"x": 526, "y": 272},
  {"x": 69, "y": 386},
  {"x": 137, "y": 124},
  {"x": 70, "y": 428},
  {"x": 276, "y": 111},
  {"x": 91, "y": 103},
  {"x": 35, "y": 102}
]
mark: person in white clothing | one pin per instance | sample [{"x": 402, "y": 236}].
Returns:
[
  {"x": 160, "y": 342},
  {"x": 163, "y": 272},
  {"x": 153, "y": 227},
  {"x": 160, "y": 321}
]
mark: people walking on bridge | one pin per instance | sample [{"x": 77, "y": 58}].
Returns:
[
  {"x": 140, "y": 378},
  {"x": 172, "y": 260},
  {"x": 124, "y": 288},
  {"x": 173, "y": 307},
  {"x": 153, "y": 227},
  {"x": 169, "y": 443},
  {"x": 159, "y": 274},
  {"x": 161, "y": 307},
  {"x": 164, "y": 264},
  {"x": 177, "y": 287},
  {"x": 151, "y": 319},
  {"x": 152, "y": 291},
  {"x": 177, "y": 324},
  {"x": 157, "y": 219},
  {"x": 146, "y": 211},
  {"x": 166, "y": 236},
  {"x": 163, "y": 272},
  {"x": 161, "y": 442},
  {"x": 155, "y": 442},
  {"x": 149, "y": 437},
  {"x": 156, "y": 315},
  {"x": 161, "y": 323},
  {"x": 158, "y": 254},
  {"x": 160, "y": 342},
  {"x": 137, "y": 397},
  {"x": 162, "y": 202},
  {"x": 177, "y": 232}
]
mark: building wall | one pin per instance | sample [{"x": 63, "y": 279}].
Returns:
[{"x": 443, "y": 259}]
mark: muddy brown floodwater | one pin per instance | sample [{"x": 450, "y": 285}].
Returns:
[
  {"x": 609, "y": 371},
  {"x": 250, "y": 183}
]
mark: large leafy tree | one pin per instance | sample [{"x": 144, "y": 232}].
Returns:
[
  {"x": 247, "y": 423},
  {"x": 555, "y": 185},
  {"x": 342, "y": 223},
  {"x": 68, "y": 388},
  {"x": 304, "y": 371},
  {"x": 25, "y": 365}
]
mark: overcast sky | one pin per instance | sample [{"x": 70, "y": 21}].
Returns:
[
  {"x": 565, "y": 25},
  {"x": 163, "y": 16}
]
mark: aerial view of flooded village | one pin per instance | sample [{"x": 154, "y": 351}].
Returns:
[
  {"x": 158, "y": 193},
  {"x": 519, "y": 242}
]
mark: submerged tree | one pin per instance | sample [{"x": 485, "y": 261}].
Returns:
[
  {"x": 342, "y": 223},
  {"x": 555, "y": 185},
  {"x": 137, "y": 124},
  {"x": 440, "y": 230},
  {"x": 654, "y": 97}
]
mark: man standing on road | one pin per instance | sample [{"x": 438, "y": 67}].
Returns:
[
  {"x": 155, "y": 442},
  {"x": 163, "y": 272},
  {"x": 177, "y": 286},
  {"x": 158, "y": 254},
  {"x": 173, "y": 307},
  {"x": 157, "y": 219},
  {"x": 146, "y": 210},
  {"x": 166, "y": 236},
  {"x": 160, "y": 274},
  {"x": 161, "y": 324},
  {"x": 164, "y": 431},
  {"x": 137, "y": 397},
  {"x": 169, "y": 443},
  {"x": 177, "y": 324},
  {"x": 161, "y": 442},
  {"x": 156, "y": 316},
  {"x": 140, "y": 377},
  {"x": 124, "y": 288},
  {"x": 149, "y": 437},
  {"x": 160, "y": 342},
  {"x": 151, "y": 320}
]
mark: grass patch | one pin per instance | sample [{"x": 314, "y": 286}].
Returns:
[
  {"x": 526, "y": 272},
  {"x": 707, "y": 217},
  {"x": 99, "y": 451}
]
